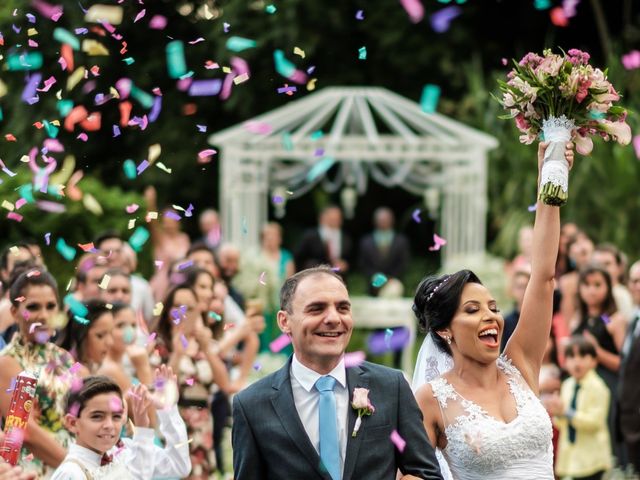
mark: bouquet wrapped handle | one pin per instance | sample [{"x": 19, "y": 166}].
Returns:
[{"x": 554, "y": 175}]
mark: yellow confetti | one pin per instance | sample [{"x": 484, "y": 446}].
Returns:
[
  {"x": 178, "y": 445},
  {"x": 132, "y": 223},
  {"x": 152, "y": 215},
  {"x": 298, "y": 51},
  {"x": 3, "y": 89},
  {"x": 65, "y": 172},
  {"x": 75, "y": 78},
  {"x": 241, "y": 78},
  {"x": 104, "y": 13},
  {"x": 206, "y": 12},
  {"x": 14, "y": 251},
  {"x": 157, "y": 310},
  {"x": 226, "y": 69},
  {"x": 311, "y": 84},
  {"x": 31, "y": 32},
  {"x": 69, "y": 285},
  {"x": 105, "y": 282},
  {"x": 113, "y": 92},
  {"x": 93, "y": 47},
  {"x": 59, "y": 94},
  {"x": 55, "y": 122},
  {"x": 163, "y": 167},
  {"x": 154, "y": 152},
  {"x": 8, "y": 205},
  {"x": 91, "y": 204}
]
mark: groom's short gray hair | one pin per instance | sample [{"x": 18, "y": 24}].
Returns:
[{"x": 290, "y": 285}]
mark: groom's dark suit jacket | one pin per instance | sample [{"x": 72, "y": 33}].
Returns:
[{"x": 270, "y": 443}]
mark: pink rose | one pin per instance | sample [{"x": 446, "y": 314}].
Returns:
[
  {"x": 360, "y": 398},
  {"x": 522, "y": 123}
]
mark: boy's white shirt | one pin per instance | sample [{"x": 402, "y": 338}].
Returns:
[{"x": 140, "y": 459}]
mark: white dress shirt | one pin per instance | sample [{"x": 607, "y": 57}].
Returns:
[
  {"x": 140, "y": 459},
  {"x": 332, "y": 237},
  {"x": 307, "y": 397}
]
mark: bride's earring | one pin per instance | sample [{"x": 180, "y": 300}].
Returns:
[{"x": 448, "y": 339}]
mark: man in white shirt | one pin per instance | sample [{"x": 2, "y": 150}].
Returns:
[{"x": 300, "y": 422}]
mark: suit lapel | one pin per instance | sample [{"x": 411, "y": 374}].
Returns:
[
  {"x": 356, "y": 378},
  {"x": 284, "y": 405}
]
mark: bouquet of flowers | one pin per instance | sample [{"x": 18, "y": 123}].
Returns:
[{"x": 564, "y": 98}]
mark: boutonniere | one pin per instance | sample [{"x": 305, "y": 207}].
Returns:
[{"x": 361, "y": 403}]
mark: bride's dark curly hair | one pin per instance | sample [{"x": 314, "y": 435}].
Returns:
[{"x": 436, "y": 301}]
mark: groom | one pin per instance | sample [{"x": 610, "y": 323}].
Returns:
[{"x": 298, "y": 423}]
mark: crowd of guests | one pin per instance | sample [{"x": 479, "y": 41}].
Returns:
[
  {"x": 589, "y": 380},
  {"x": 210, "y": 308},
  {"x": 206, "y": 312}
]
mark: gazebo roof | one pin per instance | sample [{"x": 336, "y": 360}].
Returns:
[{"x": 360, "y": 117}]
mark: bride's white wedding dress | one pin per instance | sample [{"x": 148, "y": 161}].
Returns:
[{"x": 481, "y": 447}]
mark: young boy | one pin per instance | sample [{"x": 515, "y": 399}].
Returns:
[
  {"x": 584, "y": 451},
  {"x": 96, "y": 415}
]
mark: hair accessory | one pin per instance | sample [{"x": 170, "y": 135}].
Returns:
[{"x": 437, "y": 287}]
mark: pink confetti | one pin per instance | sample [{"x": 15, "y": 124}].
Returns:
[
  {"x": 398, "y": 441},
  {"x": 158, "y": 263},
  {"x": 631, "y": 60},
  {"x": 158, "y": 22},
  {"x": 132, "y": 208},
  {"x": 279, "y": 343},
  {"x": 259, "y": 128},
  {"x": 14, "y": 216},
  {"x": 20, "y": 203},
  {"x": 150, "y": 338},
  {"x": 34, "y": 326},
  {"x": 75, "y": 367},
  {"x": 207, "y": 153},
  {"x": 83, "y": 136},
  {"x": 115, "y": 404},
  {"x": 48, "y": 83},
  {"x": 439, "y": 242},
  {"x": 141, "y": 14},
  {"x": 353, "y": 359},
  {"x": 189, "y": 381},
  {"x": 414, "y": 9},
  {"x": 197, "y": 40},
  {"x": 636, "y": 145}
]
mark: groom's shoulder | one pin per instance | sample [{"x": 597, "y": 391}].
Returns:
[
  {"x": 259, "y": 388},
  {"x": 380, "y": 372}
]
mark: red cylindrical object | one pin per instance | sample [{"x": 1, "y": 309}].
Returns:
[{"x": 15, "y": 424}]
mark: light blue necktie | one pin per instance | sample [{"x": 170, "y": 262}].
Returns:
[{"x": 329, "y": 445}]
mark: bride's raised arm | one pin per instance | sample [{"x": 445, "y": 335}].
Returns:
[{"x": 527, "y": 344}]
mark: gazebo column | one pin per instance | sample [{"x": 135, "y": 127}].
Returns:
[{"x": 244, "y": 197}]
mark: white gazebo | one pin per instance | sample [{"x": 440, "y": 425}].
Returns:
[{"x": 341, "y": 136}]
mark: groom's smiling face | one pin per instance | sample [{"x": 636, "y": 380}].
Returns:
[{"x": 320, "y": 322}]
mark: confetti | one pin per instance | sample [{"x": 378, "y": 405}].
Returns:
[
  {"x": 378, "y": 280},
  {"x": 176, "y": 63},
  {"x": 558, "y": 17},
  {"x": 104, "y": 13},
  {"x": 140, "y": 15},
  {"x": 238, "y": 44},
  {"x": 261, "y": 280},
  {"x": 158, "y": 22},
  {"x": 81, "y": 320},
  {"x": 129, "y": 168},
  {"x": 441, "y": 20},
  {"x": 12, "y": 386},
  {"x": 631, "y": 60},
  {"x": 67, "y": 252},
  {"x": 414, "y": 9},
  {"x": 320, "y": 168},
  {"x": 185, "y": 342},
  {"x": 416, "y": 215},
  {"x": 542, "y": 4},
  {"x": 353, "y": 359},
  {"x": 132, "y": 208},
  {"x": 362, "y": 53},
  {"x": 398, "y": 441},
  {"x": 105, "y": 282},
  {"x": 47, "y": 238},
  {"x": 429, "y": 98},
  {"x": 142, "y": 166},
  {"x": 279, "y": 343},
  {"x": 33, "y": 326},
  {"x": 203, "y": 88},
  {"x": 270, "y": 9},
  {"x": 532, "y": 208},
  {"x": 138, "y": 238},
  {"x": 215, "y": 316},
  {"x": 439, "y": 242},
  {"x": 359, "y": 15}
]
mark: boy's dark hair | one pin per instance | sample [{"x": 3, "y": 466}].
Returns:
[
  {"x": 579, "y": 346},
  {"x": 91, "y": 386}
]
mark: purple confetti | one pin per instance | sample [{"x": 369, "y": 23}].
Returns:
[
  {"x": 605, "y": 318},
  {"x": 16, "y": 28},
  {"x": 47, "y": 238},
  {"x": 142, "y": 167},
  {"x": 189, "y": 211},
  {"x": 441, "y": 20},
  {"x": 185, "y": 342},
  {"x": 359, "y": 15},
  {"x": 81, "y": 31},
  {"x": 116, "y": 131},
  {"x": 532, "y": 208},
  {"x": 311, "y": 69},
  {"x": 12, "y": 387},
  {"x": 225, "y": 27},
  {"x": 29, "y": 91},
  {"x": 205, "y": 88},
  {"x": 173, "y": 215},
  {"x": 277, "y": 199},
  {"x": 31, "y": 17},
  {"x": 287, "y": 89},
  {"x": 185, "y": 265},
  {"x": 202, "y": 128},
  {"x": 319, "y": 152},
  {"x": 155, "y": 109}
]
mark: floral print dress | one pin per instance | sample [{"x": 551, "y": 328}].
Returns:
[{"x": 53, "y": 367}]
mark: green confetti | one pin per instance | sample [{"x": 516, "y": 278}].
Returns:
[
  {"x": 429, "y": 98},
  {"x": 176, "y": 64},
  {"x": 65, "y": 36},
  {"x": 64, "y": 107},
  {"x": 142, "y": 97},
  {"x": 283, "y": 66},
  {"x": 24, "y": 61},
  {"x": 75, "y": 306},
  {"x": 81, "y": 320},
  {"x": 270, "y": 9},
  {"x": 67, "y": 252},
  {"x": 287, "y": 142},
  {"x": 321, "y": 167},
  {"x": 1, "y": 117},
  {"x": 378, "y": 280},
  {"x": 51, "y": 129},
  {"x": 138, "y": 238},
  {"x": 238, "y": 44},
  {"x": 362, "y": 53},
  {"x": 317, "y": 135},
  {"x": 215, "y": 316},
  {"x": 129, "y": 60},
  {"x": 129, "y": 168}
]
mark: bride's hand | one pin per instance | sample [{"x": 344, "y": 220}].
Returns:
[{"x": 568, "y": 153}]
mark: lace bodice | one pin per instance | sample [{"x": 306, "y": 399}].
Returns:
[{"x": 481, "y": 447}]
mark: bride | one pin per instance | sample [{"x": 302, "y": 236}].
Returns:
[{"x": 481, "y": 408}]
